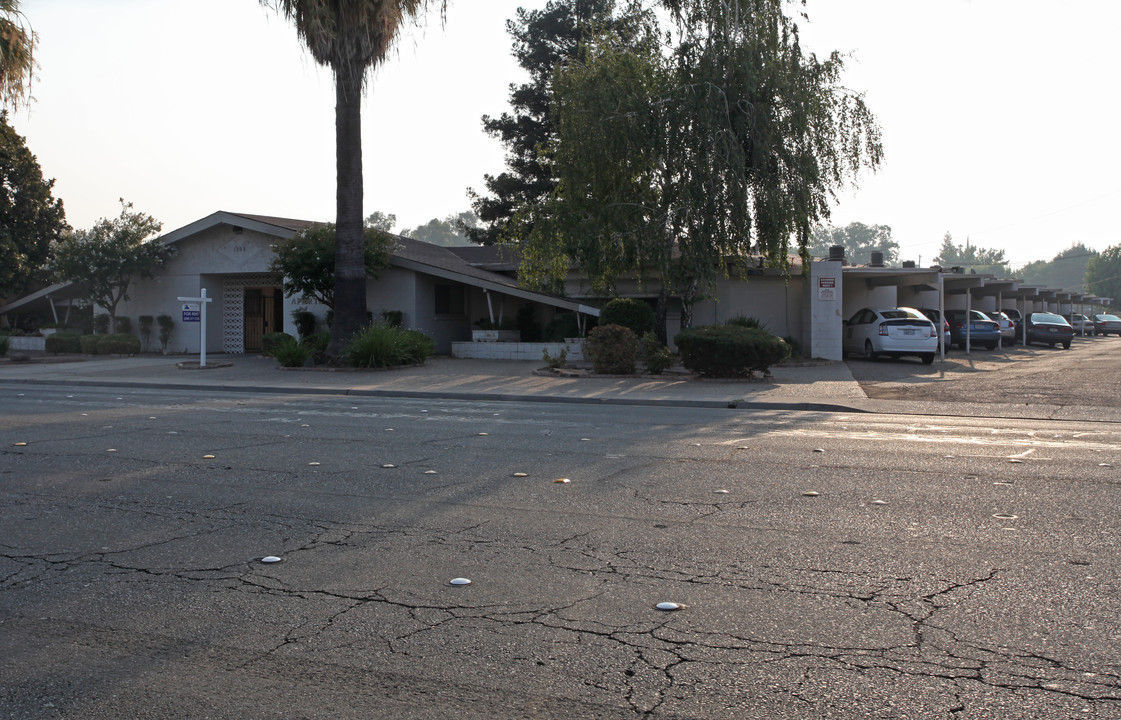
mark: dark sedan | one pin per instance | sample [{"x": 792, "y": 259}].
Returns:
[
  {"x": 1049, "y": 329},
  {"x": 1106, "y": 324},
  {"x": 982, "y": 331}
]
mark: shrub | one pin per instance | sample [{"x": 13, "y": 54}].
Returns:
[
  {"x": 563, "y": 325},
  {"x": 393, "y": 318},
  {"x": 63, "y": 342},
  {"x": 101, "y": 323},
  {"x": 636, "y": 315},
  {"x": 124, "y": 325},
  {"x": 305, "y": 322},
  {"x": 118, "y": 344},
  {"x": 5, "y": 345},
  {"x": 559, "y": 361},
  {"x": 88, "y": 343},
  {"x": 167, "y": 326},
  {"x": 795, "y": 346},
  {"x": 146, "y": 322},
  {"x": 270, "y": 340},
  {"x": 655, "y": 356},
  {"x": 290, "y": 352},
  {"x": 612, "y": 349},
  {"x": 317, "y": 342},
  {"x": 729, "y": 350},
  {"x": 746, "y": 321},
  {"x": 384, "y": 346},
  {"x": 526, "y": 323}
]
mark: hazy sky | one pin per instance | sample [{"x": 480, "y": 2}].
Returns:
[{"x": 1000, "y": 117}]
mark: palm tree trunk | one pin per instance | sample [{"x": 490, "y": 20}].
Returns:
[{"x": 350, "y": 252}]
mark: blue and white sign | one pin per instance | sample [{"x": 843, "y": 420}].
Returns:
[{"x": 191, "y": 312}]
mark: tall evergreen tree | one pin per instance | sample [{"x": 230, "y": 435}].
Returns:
[
  {"x": 30, "y": 217},
  {"x": 543, "y": 40}
]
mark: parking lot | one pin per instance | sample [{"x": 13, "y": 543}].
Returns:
[{"x": 1088, "y": 374}]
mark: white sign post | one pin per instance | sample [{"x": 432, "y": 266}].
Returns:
[{"x": 194, "y": 310}]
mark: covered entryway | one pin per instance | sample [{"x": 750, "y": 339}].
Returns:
[{"x": 264, "y": 313}]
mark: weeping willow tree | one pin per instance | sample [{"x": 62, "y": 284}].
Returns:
[
  {"x": 17, "y": 55},
  {"x": 350, "y": 37},
  {"x": 681, "y": 153}
]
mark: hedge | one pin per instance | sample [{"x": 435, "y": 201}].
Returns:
[{"x": 729, "y": 350}]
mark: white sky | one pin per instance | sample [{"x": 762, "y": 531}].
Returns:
[{"x": 999, "y": 116}]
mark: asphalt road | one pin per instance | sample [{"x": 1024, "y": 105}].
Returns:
[{"x": 945, "y": 568}]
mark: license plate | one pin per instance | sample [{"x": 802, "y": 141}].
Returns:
[{"x": 908, "y": 331}]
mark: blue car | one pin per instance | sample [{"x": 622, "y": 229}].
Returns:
[{"x": 982, "y": 330}]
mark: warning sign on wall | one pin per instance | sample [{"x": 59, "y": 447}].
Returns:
[{"x": 827, "y": 288}]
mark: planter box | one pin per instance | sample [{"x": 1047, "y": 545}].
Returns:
[
  {"x": 515, "y": 350},
  {"x": 495, "y": 336},
  {"x": 28, "y": 343}
]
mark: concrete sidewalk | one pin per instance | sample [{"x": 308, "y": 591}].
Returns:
[{"x": 820, "y": 386}]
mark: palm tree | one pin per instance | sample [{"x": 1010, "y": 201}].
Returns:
[
  {"x": 349, "y": 36},
  {"x": 17, "y": 55}
]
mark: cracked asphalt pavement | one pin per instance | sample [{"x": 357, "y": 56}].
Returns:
[{"x": 828, "y": 565}]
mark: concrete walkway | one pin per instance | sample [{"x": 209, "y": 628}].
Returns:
[
  {"x": 820, "y": 386},
  {"x": 827, "y": 387}
]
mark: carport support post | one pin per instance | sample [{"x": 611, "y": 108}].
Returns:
[
  {"x": 942, "y": 315},
  {"x": 968, "y": 313},
  {"x": 1000, "y": 335}
]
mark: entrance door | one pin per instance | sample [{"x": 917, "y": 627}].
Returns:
[{"x": 262, "y": 315}]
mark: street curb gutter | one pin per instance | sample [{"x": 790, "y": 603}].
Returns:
[{"x": 438, "y": 395}]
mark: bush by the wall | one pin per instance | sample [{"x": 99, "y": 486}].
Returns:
[
  {"x": 124, "y": 325},
  {"x": 146, "y": 322},
  {"x": 746, "y": 321},
  {"x": 88, "y": 343},
  {"x": 305, "y": 322},
  {"x": 270, "y": 341},
  {"x": 101, "y": 323},
  {"x": 385, "y": 346},
  {"x": 795, "y": 346},
  {"x": 167, "y": 327},
  {"x": 5, "y": 345},
  {"x": 729, "y": 350},
  {"x": 63, "y": 342},
  {"x": 118, "y": 344},
  {"x": 289, "y": 351},
  {"x": 393, "y": 318},
  {"x": 630, "y": 313},
  {"x": 655, "y": 356},
  {"x": 612, "y": 349},
  {"x": 563, "y": 325}
]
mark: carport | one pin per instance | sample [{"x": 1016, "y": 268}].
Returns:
[{"x": 998, "y": 289}]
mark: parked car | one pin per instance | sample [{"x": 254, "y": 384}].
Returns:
[
  {"x": 1007, "y": 325},
  {"x": 1049, "y": 329},
  {"x": 935, "y": 317},
  {"x": 894, "y": 332},
  {"x": 1082, "y": 325},
  {"x": 982, "y": 331},
  {"x": 1106, "y": 324},
  {"x": 1016, "y": 317}
]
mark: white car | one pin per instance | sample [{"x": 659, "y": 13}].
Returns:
[
  {"x": 1007, "y": 326},
  {"x": 894, "y": 332}
]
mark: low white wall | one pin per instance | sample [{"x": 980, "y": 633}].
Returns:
[
  {"x": 27, "y": 344},
  {"x": 516, "y": 350}
]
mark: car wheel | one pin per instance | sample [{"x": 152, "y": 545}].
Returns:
[
  {"x": 927, "y": 358},
  {"x": 1066, "y": 345},
  {"x": 869, "y": 353}
]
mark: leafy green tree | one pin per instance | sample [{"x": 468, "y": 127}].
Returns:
[
  {"x": 30, "y": 218},
  {"x": 381, "y": 221},
  {"x": 449, "y": 232},
  {"x": 17, "y": 55},
  {"x": 674, "y": 158},
  {"x": 543, "y": 40},
  {"x": 104, "y": 260},
  {"x": 307, "y": 261},
  {"x": 972, "y": 258},
  {"x": 1066, "y": 270},
  {"x": 1103, "y": 274},
  {"x": 350, "y": 37},
  {"x": 859, "y": 241}
]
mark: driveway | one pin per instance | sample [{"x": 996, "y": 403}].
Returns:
[{"x": 1089, "y": 374}]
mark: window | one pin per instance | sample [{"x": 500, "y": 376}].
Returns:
[{"x": 450, "y": 300}]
